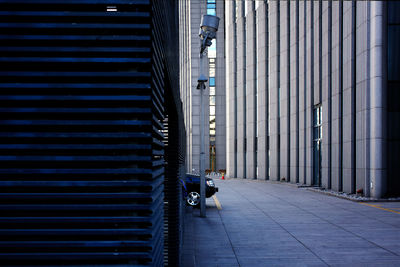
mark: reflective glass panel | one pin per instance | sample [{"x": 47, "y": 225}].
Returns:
[
  {"x": 212, "y": 90},
  {"x": 212, "y": 81},
  {"x": 211, "y": 12},
  {"x": 212, "y": 110},
  {"x": 212, "y": 100}
]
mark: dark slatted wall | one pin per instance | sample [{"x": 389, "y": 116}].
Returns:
[
  {"x": 81, "y": 153},
  {"x": 165, "y": 18}
]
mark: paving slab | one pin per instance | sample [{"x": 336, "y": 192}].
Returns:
[{"x": 263, "y": 223}]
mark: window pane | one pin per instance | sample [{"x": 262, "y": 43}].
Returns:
[
  {"x": 212, "y": 125},
  {"x": 212, "y": 110},
  {"x": 320, "y": 115},
  {"x": 212, "y": 90},
  {"x": 212, "y": 100},
  {"x": 212, "y": 81},
  {"x": 211, "y": 6},
  {"x": 315, "y": 117},
  {"x": 212, "y": 72},
  {"x": 316, "y": 133},
  {"x": 212, "y": 119},
  {"x": 212, "y": 50},
  {"x": 211, "y": 12}
]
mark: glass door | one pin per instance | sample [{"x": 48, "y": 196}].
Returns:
[{"x": 317, "y": 139}]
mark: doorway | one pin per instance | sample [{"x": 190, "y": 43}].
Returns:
[{"x": 317, "y": 139}]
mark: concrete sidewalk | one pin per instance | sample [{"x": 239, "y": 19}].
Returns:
[{"x": 270, "y": 224}]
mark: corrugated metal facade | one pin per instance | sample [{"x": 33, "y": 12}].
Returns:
[{"x": 82, "y": 89}]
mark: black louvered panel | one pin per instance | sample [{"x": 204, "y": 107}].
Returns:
[
  {"x": 81, "y": 158},
  {"x": 165, "y": 41}
]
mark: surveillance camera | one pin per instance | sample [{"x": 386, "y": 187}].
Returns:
[
  {"x": 208, "y": 28},
  {"x": 209, "y": 23}
]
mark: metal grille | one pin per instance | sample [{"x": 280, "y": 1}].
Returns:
[
  {"x": 165, "y": 13},
  {"x": 81, "y": 153}
]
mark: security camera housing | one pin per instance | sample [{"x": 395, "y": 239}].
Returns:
[
  {"x": 202, "y": 79},
  {"x": 209, "y": 23}
]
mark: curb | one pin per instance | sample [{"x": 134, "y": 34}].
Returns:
[
  {"x": 365, "y": 199},
  {"x": 320, "y": 191}
]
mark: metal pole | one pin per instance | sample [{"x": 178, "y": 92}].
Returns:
[{"x": 202, "y": 154}]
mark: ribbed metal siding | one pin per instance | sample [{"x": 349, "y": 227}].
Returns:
[
  {"x": 81, "y": 154},
  {"x": 166, "y": 43}
]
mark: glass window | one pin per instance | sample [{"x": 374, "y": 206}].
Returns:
[
  {"x": 212, "y": 119},
  {"x": 212, "y": 81},
  {"x": 212, "y": 125},
  {"x": 211, "y": 6},
  {"x": 212, "y": 50},
  {"x": 212, "y": 90},
  {"x": 212, "y": 110},
  {"x": 212, "y": 100},
  {"x": 211, "y": 12},
  {"x": 212, "y": 72}
]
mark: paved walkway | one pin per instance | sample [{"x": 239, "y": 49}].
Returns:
[{"x": 270, "y": 224}]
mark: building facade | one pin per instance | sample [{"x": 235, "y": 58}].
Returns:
[
  {"x": 214, "y": 105},
  {"x": 311, "y": 88},
  {"x": 92, "y": 139}
]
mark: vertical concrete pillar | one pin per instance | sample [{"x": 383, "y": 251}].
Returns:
[
  {"x": 284, "y": 78},
  {"x": 302, "y": 90},
  {"x": 326, "y": 93},
  {"x": 309, "y": 90},
  {"x": 347, "y": 100},
  {"x": 362, "y": 70},
  {"x": 263, "y": 91},
  {"x": 241, "y": 90},
  {"x": 230, "y": 51},
  {"x": 377, "y": 100},
  {"x": 273, "y": 89},
  {"x": 336, "y": 96},
  {"x": 250, "y": 89},
  {"x": 294, "y": 91}
]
